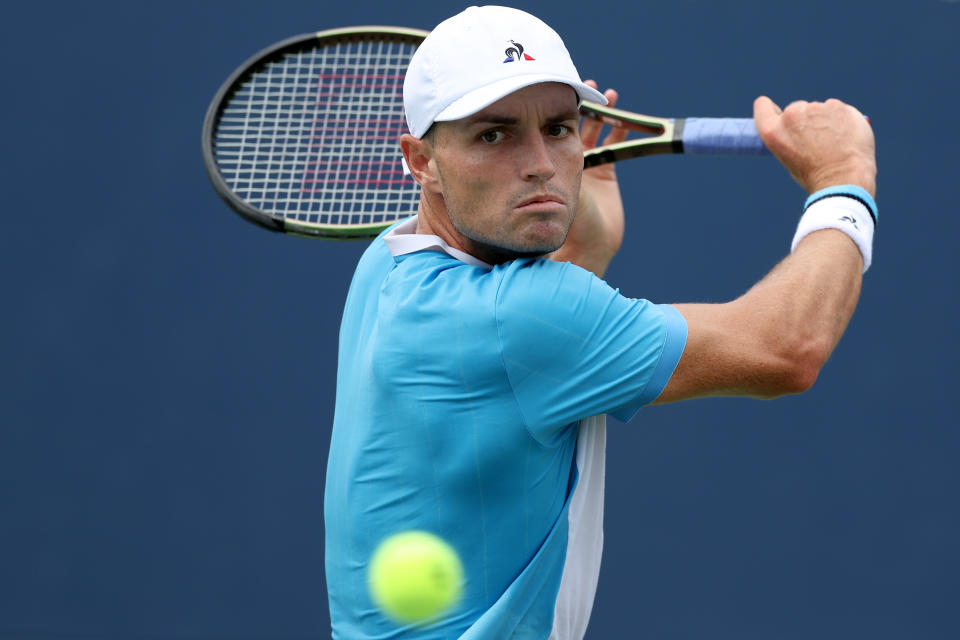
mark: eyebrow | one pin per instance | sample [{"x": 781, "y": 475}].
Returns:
[{"x": 496, "y": 118}]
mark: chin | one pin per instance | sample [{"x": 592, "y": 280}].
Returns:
[
  {"x": 498, "y": 251},
  {"x": 536, "y": 239},
  {"x": 545, "y": 236}
]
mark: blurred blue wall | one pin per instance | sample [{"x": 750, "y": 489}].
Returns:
[{"x": 163, "y": 439}]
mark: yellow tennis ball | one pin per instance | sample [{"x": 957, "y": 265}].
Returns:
[{"x": 415, "y": 577}]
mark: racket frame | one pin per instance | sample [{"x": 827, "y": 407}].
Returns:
[
  {"x": 665, "y": 135},
  {"x": 233, "y": 84}
]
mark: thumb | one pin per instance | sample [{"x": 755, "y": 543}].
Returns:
[{"x": 765, "y": 114}]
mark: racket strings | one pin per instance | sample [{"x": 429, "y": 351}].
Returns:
[{"x": 313, "y": 137}]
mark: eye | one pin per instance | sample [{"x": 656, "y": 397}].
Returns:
[
  {"x": 492, "y": 136},
  {"x": 558, "y": 130}
]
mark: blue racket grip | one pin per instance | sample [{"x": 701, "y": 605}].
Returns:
[{"x": 722, "y": 136}]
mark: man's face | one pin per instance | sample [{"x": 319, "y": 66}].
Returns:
[{"x": 510, "y": 174}]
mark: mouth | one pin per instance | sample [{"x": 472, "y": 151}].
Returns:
[{"x": 544, "y": 202}]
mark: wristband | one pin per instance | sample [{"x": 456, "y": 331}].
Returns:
[
  {"x": 849, "y": 191},
  {"x": 851, "y": 215}
]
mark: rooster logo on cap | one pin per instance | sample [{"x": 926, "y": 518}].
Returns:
[{"x": 516, "y": 52}]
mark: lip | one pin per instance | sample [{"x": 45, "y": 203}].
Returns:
[{"x": 541, "y": 203}]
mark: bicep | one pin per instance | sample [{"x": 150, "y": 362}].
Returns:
[{"x": 573, "y": 347}]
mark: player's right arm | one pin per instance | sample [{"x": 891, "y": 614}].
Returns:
[{"x": 774, "y": 339}]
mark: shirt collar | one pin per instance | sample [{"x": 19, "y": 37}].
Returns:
[{"x": 404, "y": 239}]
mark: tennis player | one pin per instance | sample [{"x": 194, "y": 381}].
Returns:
[{"x": 480, "y": 349}]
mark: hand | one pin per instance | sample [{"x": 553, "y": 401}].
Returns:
[
  {"x": 597, "y": 230},
  {"x": 821, "y": 144}
]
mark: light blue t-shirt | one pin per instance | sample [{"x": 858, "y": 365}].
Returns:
[{"x": 466, "y": 397}]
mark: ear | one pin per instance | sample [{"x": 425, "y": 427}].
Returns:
[{"x": 418, "y": 154}]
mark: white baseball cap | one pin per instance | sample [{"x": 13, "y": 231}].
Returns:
[{"x": 477, "y": 57}]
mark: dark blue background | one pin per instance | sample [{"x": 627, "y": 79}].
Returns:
[{"x": 167, "y": 370}]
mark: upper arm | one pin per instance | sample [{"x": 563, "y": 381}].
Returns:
[{"x": 574, "y": 347}]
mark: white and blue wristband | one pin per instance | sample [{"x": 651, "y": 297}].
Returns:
[{"x": 847, "y": 208}]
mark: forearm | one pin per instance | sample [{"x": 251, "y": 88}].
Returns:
[
  {"x": 804, "y": 304},
  {"x": 774, "y": 339}
]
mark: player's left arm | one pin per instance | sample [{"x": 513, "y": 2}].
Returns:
[
  {"x": 775, "y": 338},
  {"x": 597, "y": 230}
]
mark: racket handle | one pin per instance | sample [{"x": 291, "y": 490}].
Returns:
[{"x": 721, "y": 136}]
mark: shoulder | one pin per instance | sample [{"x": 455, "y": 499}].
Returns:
[
  {"x": 544, "y": 287},
  {"x": 543, "y": 306},
  {"x": 573, "y": 346}
]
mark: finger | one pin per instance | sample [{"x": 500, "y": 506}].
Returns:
[
  {"x": 590, "y": 128},
  {"x": 612, "y": 96},
  {"x": 616, "y": 134},
  {"x": 765, "y": 107},
  {"x": 765, "y": 114},
  {"x": 589, "y": 132}
]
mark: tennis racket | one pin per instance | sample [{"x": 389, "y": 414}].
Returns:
[{"x": 303, "y": 138}]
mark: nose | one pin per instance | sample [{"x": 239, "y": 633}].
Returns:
[{"x": 538, "y": 162}]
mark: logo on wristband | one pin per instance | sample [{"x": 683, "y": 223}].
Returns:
[{"x": 851, "y": 220}]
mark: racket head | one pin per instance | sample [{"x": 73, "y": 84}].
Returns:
[{"x": 303, "y": 138}]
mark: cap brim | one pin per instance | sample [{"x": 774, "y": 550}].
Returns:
[{"x": 483, "y": 97}]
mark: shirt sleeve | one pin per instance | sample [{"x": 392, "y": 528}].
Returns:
[{"x": 574, "y": 347}]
